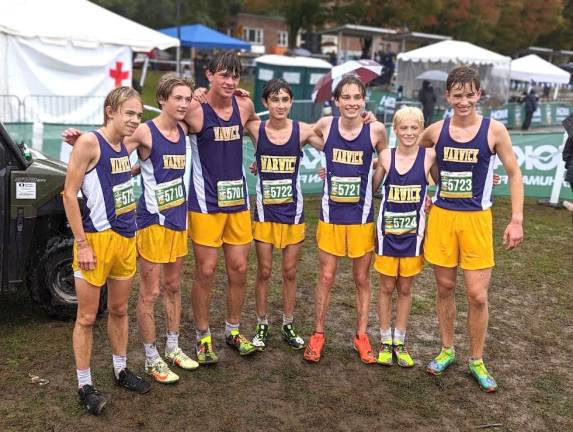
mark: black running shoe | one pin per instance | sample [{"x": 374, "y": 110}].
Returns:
[
  {"x": 91, "y": 399},
  {"x": 130, "y": 381}
]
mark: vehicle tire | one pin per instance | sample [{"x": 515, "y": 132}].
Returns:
[{"x": 51, "y": 280}]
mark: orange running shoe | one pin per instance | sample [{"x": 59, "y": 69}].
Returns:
[
  {"x": 314, "y": 347},
  {"x": 362, "y": 346}
]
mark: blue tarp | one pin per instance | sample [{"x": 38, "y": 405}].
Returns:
[{"x": 200, "y": 36}]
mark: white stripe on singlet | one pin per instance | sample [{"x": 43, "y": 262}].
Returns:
[
  {"x": 488, "y": 185},
  {"x": 259, "y": 202},
  {"x": 380, "y": 220},
  {"x": 92, "y": 189},
  {"x": 148, "y": 179},
  {"x": 421, "y": 224},
  {"x": 325, "y": 208},
  {"x": 198, "y": 181},
  {"x": 299, "y": 199},
  {"x": 368, "y": 196}
]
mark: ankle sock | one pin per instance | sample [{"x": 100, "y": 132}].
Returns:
[
  {"x": 230, "y": 327},
  {"x": 119, "y": 364},
  {"x": 172, "y": 342},
  {"x": 84, "y": 377},
  {"x": 151, "y": 353}
]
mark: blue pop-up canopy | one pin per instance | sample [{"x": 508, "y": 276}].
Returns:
[{"x": 200, "y": 36}]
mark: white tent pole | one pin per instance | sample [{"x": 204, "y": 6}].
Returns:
[
  {"x": 143, "y": 72},
  {"x": 559, "y": 176},
  {"x": 556, "y": 92}
]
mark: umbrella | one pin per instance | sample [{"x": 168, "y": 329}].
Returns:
[
  {"x": 365, "y": 70},
  {"x": 433, "y": 75}
]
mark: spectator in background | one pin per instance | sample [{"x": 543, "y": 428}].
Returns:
[
  {"x": 530, "y": 104},
  {"x": 200, "y": 66},
  {"x": 428, "y": 99}
]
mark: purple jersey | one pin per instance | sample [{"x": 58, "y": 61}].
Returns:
[
  {"x": 108, "y": 190},
  {"x": 347, "y": 194},
  {"x": 402, "y": 220},
  {"x": 162, "y": 200},
  {"x": 218, "y": 182},
  {"x": 466, "y": 171},
  {"x": 279, "y": 193}
]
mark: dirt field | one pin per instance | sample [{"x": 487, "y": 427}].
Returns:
[{"x": 528, "y": 351}]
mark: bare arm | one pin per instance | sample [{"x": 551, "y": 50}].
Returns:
[
  {"x": 194, "y": 118},
  {"x": 84, "y": 156},
  {"x": 378, "y": 135},
  {"x": 513, "y": 234},
  {"x": 380, "y": 171},
  {"x": 309, "y": 136},
  {"x": 430, "y": 136}
]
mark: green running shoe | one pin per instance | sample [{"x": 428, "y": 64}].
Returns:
[
  {"x": 240, "y": 343},
  {"x": 439, "y": 365},
  {"x": 261, "y": 337},
  {"x": 289, "y": 335},
  {"x": 482, "y": 376},
  {"x": 403, "y": 356},
  {"x": 205, "y": 353},
  {"x": 385, "y": 354},
  {"x": 179, "y": 358}
]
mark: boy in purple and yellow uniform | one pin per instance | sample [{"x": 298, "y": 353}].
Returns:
[
  {"x": 400, "y": 229},
  {"x": 218, "y": 203},
  {"x": 346, "y": 226},
  {"x": 459, "y": 230}
]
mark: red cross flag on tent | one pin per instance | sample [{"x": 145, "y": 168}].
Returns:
[{"x": 366, "y": 70}]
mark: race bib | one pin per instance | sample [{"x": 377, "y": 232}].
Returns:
[
  {"x": 230, "y": 193},
  {"x": 456, "y": 184},
  {"x": 400, "y": 223},
  {"x": 277, "y": 191},
  {"x": 170, "y": 194},
  {"x": 123, "y": 197},
  {"x": 345, "y": 189}
]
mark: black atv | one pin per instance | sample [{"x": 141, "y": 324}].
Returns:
[{"x": 35, "y": 238}]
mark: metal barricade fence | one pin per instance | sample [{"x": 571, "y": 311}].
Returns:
[{"x": 10, "y": 109}]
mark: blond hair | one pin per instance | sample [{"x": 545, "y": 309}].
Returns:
[
  {"x": 166, "y": 85},
  {"x": 408, "y": 113},
  {"x": 116, "y": 98}
]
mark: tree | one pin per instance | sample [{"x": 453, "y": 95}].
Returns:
[{"x": 301, "y": 14}]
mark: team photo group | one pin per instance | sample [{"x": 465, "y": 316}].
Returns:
[{"x": 210, "y": 212}]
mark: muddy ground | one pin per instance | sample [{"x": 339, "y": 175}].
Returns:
[{"x": 528, "y": 351}]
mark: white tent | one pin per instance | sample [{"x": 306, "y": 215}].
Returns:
[
  {"x": 493, "y": 68},
  {"x": 534, "y": 68},
  {"x": 56, "y": 48}
]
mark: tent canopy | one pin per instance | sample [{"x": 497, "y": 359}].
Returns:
[
  {"x": 281, "y": 60},
  {"x": 534, "y": 68},
  {"x": 454, "y": 51},
  {"x": 200, "y": 36},
  {"x": 80, "y": 22},
  {"x": 443, "y": 56}
]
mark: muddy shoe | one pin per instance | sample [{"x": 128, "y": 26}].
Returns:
[
  {"x": 363, "y": 348},
  {"x": 240, "y": 343},
  {"x": 313, "y": 349},
  {"x": 179, "y": 358},
  {"x": 289, "y": 335},
  {"x": 403, "y": 357},
  {"x": 439, "y": 365},
  {"x": 482, "y": 376},
  {"x": 128, "y": 380},
  {"x": 91, "y": 399},
  {"x": 385, "y": 354},
  {"x": 205, "y": 353},
  {"x": 160, "y": 372},
  {"x": 261, "y": 337}
]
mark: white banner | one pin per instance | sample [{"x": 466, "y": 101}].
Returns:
[{"x": 40, "y": 74}]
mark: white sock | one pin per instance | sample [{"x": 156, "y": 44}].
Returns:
[
  {"x": 172, "y": 342},
  {"x": 230, "y": 327},
  {"x": 84, "y": 377},
  {"x": 263, "y": 320},
  {"x": 399, "y": 336},
  {"x": 119, "y": 364},
  {"x": 386, "y": 334},
  {"x": 203, "y": 333},
  {"x": 151, "y": 353},
  {"x": 287, "y": 319}
]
